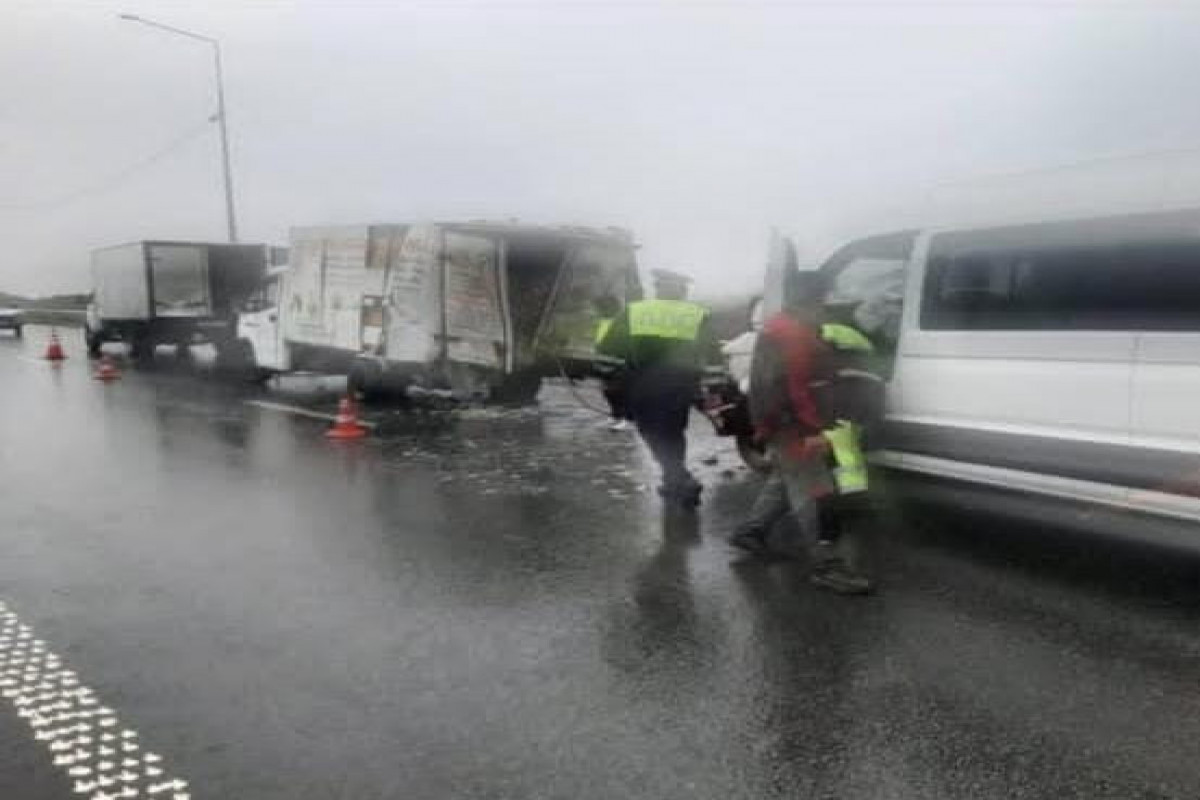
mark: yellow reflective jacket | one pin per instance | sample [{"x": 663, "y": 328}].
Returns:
[
  {"x": 844, "y": 337},
  {"x": 602, "y": 328},
  {"x": 849, "y": 463},
  {"x": 666, "y": 319}
]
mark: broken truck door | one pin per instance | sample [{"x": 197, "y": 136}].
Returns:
[{"x": 475, "y": 329}]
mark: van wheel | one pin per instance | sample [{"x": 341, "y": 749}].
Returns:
[
  {"x": 753, "y": 454},
  {"x": 365, "y": 380}
]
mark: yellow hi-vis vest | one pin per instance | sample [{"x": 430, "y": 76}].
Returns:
[
  {"x": 850, "y": 465},
  {"x": 602, "y": 328},
  {"x": 666, "y": 319},
  {"x": 844, "y": 337}
]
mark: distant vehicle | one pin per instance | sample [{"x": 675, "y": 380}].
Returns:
[
  {"x": 474, "y": 309},
  {"x": 12, "y": 319},
  {"x": 178, "y": 293}
]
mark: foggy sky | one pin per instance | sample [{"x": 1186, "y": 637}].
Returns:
[{"x": 698, "y": 125}]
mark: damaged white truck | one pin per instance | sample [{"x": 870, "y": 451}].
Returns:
[{"x": 476, "y": 310}]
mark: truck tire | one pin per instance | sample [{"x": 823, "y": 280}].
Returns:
[
  {"x": 94, "y": 342},
  {"x": 365, "y": 380},
  {"x": 17, "y": 332},
  {"x": 754, "y": 455},
  {"x": 236, "y": 359},
  {"x": 141, "y": 346},
  {"x": 518, "y": 389}
]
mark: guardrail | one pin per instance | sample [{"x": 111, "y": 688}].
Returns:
[{"x": 66, "y": 317}]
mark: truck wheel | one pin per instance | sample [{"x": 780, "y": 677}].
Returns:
[
  {"x": 17, "y": 332},
  {"x": 753, "y": 454},
  {"x": 237, "y": 360},
  {"x": 141, "y": 347},
  {"x": 518, "y": 389},
  {"x": 365, "y": 380},
  {"x": 94, "y": 342}
]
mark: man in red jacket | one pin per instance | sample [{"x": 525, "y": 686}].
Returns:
[{"x": 789, "y": 356}]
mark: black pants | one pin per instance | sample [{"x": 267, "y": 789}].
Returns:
[{"x": 660, "y": 403}]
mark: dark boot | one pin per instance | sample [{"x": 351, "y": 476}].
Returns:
[
  {"x": 750, "y": 540},
  {"x": 686, "y": 494},
  {"x": 835, "y": 576}
]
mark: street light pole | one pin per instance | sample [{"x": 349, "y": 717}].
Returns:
[{"x": 226, "y": 169}]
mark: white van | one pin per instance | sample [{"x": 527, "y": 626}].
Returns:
[{"x": 1047, "y": 346}]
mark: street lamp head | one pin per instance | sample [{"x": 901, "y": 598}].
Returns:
[{"x": 130, "y": 17}]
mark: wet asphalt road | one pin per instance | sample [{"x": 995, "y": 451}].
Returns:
[{"x": 491, "y": 605}]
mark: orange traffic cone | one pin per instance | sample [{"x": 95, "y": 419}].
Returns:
[
  {"x": 346, "y": 424},
  {"x": 54, "y": 350},
  {"x": 108, "y": 370}
]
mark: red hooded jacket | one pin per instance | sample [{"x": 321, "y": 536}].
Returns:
[{"x": 788, "y": 357}]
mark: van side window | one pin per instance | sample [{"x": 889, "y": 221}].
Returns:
[
  {"x": 874, "y": 288},
  {"x": 1097, "y": 275}
]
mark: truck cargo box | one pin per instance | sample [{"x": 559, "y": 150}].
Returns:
[
  {"x": 158, "y": 291},
  {"x": 432, "y": 300}
]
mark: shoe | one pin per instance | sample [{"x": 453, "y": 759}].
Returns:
[
  {"x": 751, "y": 541},
  {"x": 619, "y": 425},
  {"x": 840, "y": 579},
  {"x": 824, "y": 556}
]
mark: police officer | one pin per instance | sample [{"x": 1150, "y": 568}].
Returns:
[{"x": 664, "y": 344}]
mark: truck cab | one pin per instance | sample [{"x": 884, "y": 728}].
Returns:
[{"x": 259, "y": 330}]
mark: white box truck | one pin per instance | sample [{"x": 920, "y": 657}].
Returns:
[
  {"x": 155, "y": 292},
  {"x": 477, "y": 309}
]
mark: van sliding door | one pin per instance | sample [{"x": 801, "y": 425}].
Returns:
[{"x": 1014, "y": 350}]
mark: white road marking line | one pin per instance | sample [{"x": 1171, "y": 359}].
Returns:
[
  {"x": 57, "y": 708},
  {"x": 301, "y": 412}
]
